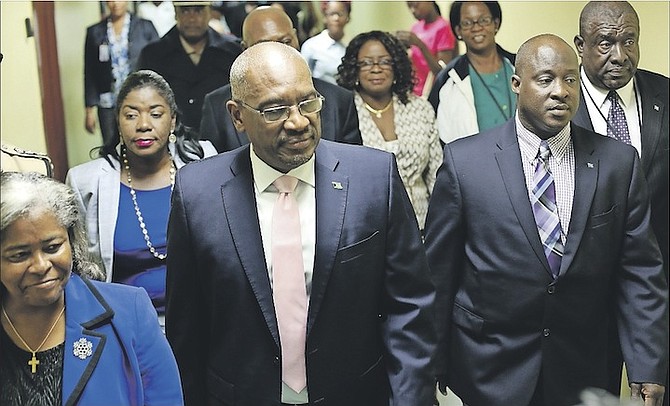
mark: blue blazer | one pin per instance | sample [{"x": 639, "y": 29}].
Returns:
[
  {"x": 370, "y": 331},
  {"x": 504, "y": 321},
  {"x": 655, "y": 133},
  {"x": 130, "y": 363}
]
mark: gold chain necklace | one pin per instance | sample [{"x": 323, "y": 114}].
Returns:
[
  {"x": 34, "y": 362},
  {"x": 376, "y": 112},
  {"x": 138, "y": 213}
]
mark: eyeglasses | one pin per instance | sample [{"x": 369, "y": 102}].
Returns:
[
  {"x": 282, "y": 113},
  {"x": 367, "y": 64},
  {"x": 484, "y": 21}
]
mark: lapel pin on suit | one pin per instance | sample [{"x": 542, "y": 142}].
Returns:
[
  {"x": 82, "y": 348},
  {"x": 337, "y": 185},
  {"x": 656, "y": 107},
  {"x": 589, "y": 164}
]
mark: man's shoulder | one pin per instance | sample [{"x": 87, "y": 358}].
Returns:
[
  {"x": 654, "y": 80},
  {"x": 219, "y": 95},
  {"x": 224, "y": 42},
  {"x": 334, "y": 91}
]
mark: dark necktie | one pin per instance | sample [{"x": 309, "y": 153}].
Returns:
[
  {"x": 545, "y": 210},
  {"x": 617, "y": 127}
]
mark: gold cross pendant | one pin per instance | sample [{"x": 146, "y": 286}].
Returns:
[{"x": 34, "y": 362}]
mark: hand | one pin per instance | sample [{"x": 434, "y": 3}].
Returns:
[
  {"x": 408, "y": 38},
  {"x": 650, "y": 393},
  {"x": 89, "y": 121}
]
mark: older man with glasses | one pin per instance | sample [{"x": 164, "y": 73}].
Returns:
[{"x": 296, "y": 272}]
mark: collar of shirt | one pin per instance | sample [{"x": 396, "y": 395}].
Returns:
[
  {"x": 626, "y": 93},
  {"x": 529, "y": 143},
  {"x": 264, "y": 174},
  {"x": 189, "y": 49},
  {"x": 328, "y": 41}
]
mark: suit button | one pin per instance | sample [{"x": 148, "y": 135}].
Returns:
[
  {"x": 551, "y": 289},
  {"x": 276, "y": 360},
  {"x": 546, "y": 332}
]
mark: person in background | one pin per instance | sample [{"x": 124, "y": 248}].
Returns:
[
  {"x": 473, "y": 93},
  {"x": 110, "y": 54},
  {"x": 65, "y": 338},
  {"x": 125, "y": 194},
  {"x": 535, "y": 229},
  {"x": 324, "y": 51},
  {"x": 160, "y": 13},
  {"x": 192, "y": 57},
  {"x": 378, "y": 70},
  {"x": 321, "y": 297},
  {"x": 432, "y": 43},
  {"x": 608, "y": 44},
  {"x": 266, "y": 23}
]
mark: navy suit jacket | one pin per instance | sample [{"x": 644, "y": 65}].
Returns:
[
  {"x": 338, "y": 117},
  {"x": 370, "y": 332},
  {"x": 503, "y": 320},
  {"x": 98, "y": 74},
  {"x": 130, "y": 362},
  {"x": 655, "y": 101}
]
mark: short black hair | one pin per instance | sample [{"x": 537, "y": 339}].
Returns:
[
  {"x": 347, "y": 72},
  {"x": 455, "y": 13}
]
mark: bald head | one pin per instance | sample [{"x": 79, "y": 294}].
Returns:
[
  {"x": 597, "y": 12},
  {"x": 546, "y": 80},
  {"x": 262, "y": 61},
  {"x": 268, "y": 24},
  {"x": 537, "y": 48}
]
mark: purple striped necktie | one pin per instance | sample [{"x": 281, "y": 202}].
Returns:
[{"x": 543, "y": 199}]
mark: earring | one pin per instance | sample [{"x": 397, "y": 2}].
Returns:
[
  {"x": 395, "y": 81},
  {"x": 459, "y": 37},
  {"x": 172, "y": 138},
  {"x": 358, "y": 83}
]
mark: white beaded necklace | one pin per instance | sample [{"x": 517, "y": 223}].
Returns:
[{"x": 138, "y": 213}]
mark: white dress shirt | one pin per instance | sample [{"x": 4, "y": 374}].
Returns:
[{"x": 599, "y": 107}]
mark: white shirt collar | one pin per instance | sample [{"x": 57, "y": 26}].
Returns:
[
  {"x": 264, "y": 174},
  {"x": 626, "y": 93}
]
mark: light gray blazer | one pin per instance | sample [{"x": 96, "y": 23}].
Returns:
[{"x": 96, "y": 186}]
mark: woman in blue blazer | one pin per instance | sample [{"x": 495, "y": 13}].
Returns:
[{"x": 66, "y": 339}]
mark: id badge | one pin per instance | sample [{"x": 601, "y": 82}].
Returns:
[{"x": 103, "y": 53}]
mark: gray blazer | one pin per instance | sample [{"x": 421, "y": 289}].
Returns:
[{"x": 96, "y": 185}]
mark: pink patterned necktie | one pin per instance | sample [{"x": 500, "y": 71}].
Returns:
[{"x": 290, "y": 295}]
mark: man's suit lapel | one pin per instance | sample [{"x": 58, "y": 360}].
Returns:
[
  {"x": 653, "y": 108},
  {"x": 81, "y": 323},
  {"x": 239, "y": 204},
  {"x": 331, "y": 197},
  {"x": 586, "y": 179},
  {"x": 511, "y": 169},
  {"x": 582, "y": 117}
]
